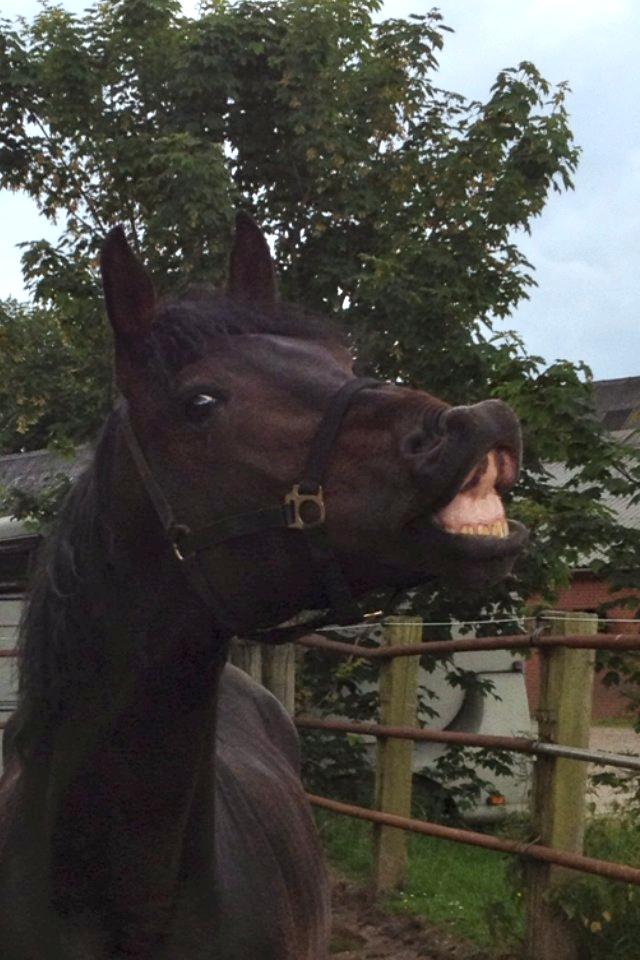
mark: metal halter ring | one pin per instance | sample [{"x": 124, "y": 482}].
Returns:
[
  {"x": 296, "y": 501},
  {"x": 177, "y": 530}
]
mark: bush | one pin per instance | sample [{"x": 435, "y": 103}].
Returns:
[{"x": 605, "y": 915}]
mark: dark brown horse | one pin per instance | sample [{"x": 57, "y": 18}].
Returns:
[{"x": 151, "y": 806}]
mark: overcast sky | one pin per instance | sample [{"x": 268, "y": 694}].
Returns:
[{"x": 586, "y": 244}]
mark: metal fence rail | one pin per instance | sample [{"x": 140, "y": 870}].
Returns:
[
  {"x": 482, "y": 740},
  {"x": 443, "y": 648},
  {"x": 532, "y": 851},
  {"x": 567, "y": 660}
]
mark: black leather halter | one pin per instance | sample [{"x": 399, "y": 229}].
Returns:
[{"x": 302, "y": 510}]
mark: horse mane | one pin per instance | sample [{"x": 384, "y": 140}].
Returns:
[{"x": 61, "y": 644}]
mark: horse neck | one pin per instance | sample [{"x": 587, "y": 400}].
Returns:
[{"x": 129, "y": 801}]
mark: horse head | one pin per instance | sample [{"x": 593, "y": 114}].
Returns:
[{"x": 224, "y": 396}]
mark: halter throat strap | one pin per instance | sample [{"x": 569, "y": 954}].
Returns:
[{"x": 302, "y": 510}]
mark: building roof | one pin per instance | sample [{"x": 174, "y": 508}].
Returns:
[
  {"x": 35, "y": 470},
  {"x": 31, "y": 472},
  {"x": 618, "y": 403},
  {"x": 626, "y": 513}
]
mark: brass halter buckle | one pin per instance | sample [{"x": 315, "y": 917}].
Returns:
[{"x": 297, "y": 501}]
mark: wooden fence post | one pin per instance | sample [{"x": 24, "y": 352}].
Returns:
[
  {"x": 398, "y": 689},
  {"x": 559, "y": 785},
  {"x": 279, "y": 673},
  {"x": 272, "y": 666},
  {"x": 247, "y": 656}
]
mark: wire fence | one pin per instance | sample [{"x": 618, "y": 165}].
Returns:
[{"x": 551, "y": 616}]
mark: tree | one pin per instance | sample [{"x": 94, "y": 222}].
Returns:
[
  {"x": 393, "y": 205},
  {"x": 55, "y": 374}
]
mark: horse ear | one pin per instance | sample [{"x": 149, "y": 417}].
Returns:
[
  {"x": 252, "y": 276},
  {"x": 128, "y": 290}
]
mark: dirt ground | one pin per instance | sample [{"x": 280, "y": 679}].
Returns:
[{"x": 363, "y": 931}]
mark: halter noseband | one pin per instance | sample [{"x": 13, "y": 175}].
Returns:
[{"x": 302, "y": 509}]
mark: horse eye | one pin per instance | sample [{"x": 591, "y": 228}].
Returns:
[{"x": 200, "y": 407}]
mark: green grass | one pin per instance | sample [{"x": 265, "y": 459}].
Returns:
[
  {"x": 617, "y": 840},
  {"x": 606, "y": 915},
  {"x": 465, "y": 889},
  {"x": 475, "y": 893},
  {"x": 347, "y": 843}
]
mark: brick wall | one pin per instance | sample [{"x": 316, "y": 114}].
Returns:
[{"x": 586, "y": 594}]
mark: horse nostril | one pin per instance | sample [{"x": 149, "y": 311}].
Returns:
[
  {"x": 424, "y": 439},
  {"x": 419, "y": 444},
  {"x": 414, "y": 444}
]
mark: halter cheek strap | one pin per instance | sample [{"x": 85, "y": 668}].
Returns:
[{"x": 302, "y": 510}]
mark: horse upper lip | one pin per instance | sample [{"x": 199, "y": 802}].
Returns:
[{"x": 469, "y": 436}]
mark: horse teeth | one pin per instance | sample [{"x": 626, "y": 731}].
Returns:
[{"x": 500, "y": 529}]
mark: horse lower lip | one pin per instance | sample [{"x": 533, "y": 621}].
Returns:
[
  {"x": 482, "y": 546},
  {"x": 487, "y": 546}
]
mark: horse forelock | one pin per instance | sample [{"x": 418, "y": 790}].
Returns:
[{"x": 182, "y": 327}]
